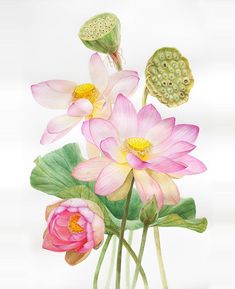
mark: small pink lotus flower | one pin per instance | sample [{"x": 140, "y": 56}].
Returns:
[
  {"x": 139, "y": 145},
  {"x": 75, "y": 226},
  {"x": 84, "y": 100}
]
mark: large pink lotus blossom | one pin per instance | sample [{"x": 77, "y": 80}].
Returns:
[
  {"x": 139, "y": 145},
  {"x": 84, "y": 100},
  {"x": 75, "y": 226}
]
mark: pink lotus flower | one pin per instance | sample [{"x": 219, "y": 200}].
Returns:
[
  {"x": 85, "y": 100},
  {"x": 139, "y": 145},
  {"x": 75, "y": 226}
]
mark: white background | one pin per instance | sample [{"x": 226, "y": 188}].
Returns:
[{"x": 39, "y": 42}]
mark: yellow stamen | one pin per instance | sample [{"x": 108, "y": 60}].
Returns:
[
  {"x": 86, "y": 90},
  {"x": 138, "y": 146},
  {"x": 74, "y": 227},
  {"x": 138, "y": 143}
]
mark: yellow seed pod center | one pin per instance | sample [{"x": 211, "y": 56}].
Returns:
[
  {"x": 138, "y": 143},
  {"x": 139, "y": 146},
  {"x": 74, "y": 227},
  {"x": 86, "y": 90}
]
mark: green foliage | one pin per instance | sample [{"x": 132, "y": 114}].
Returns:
[{"x": 52, "y": 175}]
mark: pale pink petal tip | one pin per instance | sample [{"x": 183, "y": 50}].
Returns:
[
  {"x": 98, "y": 72},
  {"x": 55, "y": 94},
  {"x": 62, "y": 123},
  {"x": 126, "y": 86}
]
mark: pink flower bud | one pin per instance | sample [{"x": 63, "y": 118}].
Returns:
[{"x": 75, "y": 226}]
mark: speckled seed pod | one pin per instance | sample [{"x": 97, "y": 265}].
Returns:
[
  {"x": 101, "y": 33},
  {"x": 169, "y": 77}
]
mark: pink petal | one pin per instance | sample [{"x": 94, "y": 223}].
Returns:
[
  {"x": 62, "y": 123},
  {"x": 135, "y": 162},
  {"x": 193, "y": 165},
  {"x": 111, "y": 149},
  {"x": 87, "y": 214},
  {"x": 90, "y": 170},
  {"x": 87, "y": 247},
  {"x": 147, "y": 118},
  {"x": 111, "y": 178},
  {"x": 122, "y": 191},
  {"x": 115, "y": 77},
  {"x": 147, "y": 187},
  {"x": 92, "y": 150},
  {"x": 168, "y": 187},
  {"x": 52, "y": 243},
  {"x": 75, "y": 202},
  {"x": 62, "y": 233},
  {"x": 86, "y": 131},
  {"x": 125, "y": 86},
  {"x": 98, "y": 72},
  {"x": 82, "y": 107},
  {"x": 53, "y": 93},
  {"x": 48, "y": 138},
  {"x": 124, "y": 117},
  {"x": 165, "y": 165},
  {"x": 185, "y": 132},
  {"x": 178, "y": 149},
  {"x": 100, "y": 129},
  {"x": 98, "y": 229},
  {"x": 161, "y": 131}
]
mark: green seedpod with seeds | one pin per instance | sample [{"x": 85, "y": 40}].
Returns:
[
  {"x": 169, "y": 77},
  {"x": 101, "y": 33}
]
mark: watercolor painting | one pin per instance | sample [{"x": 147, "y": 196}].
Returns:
[
  {"x": 134, "y": 158},
  {"x": 119, "y": 144}
]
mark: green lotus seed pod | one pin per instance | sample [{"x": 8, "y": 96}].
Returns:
[
  {"x": 169, "y": 77},
  {"x": 101, "y": 33}
]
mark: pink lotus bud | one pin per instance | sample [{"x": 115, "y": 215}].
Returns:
[{"x": 75, "y": 226}]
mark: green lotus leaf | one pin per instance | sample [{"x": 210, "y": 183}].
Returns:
[{"x": 52, "y": 175}]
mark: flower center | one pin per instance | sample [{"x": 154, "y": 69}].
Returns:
[
  {"x": 86, "y": 90},
  {"x": 74, "y": 227},
  {"x": 138, "y": 146}
]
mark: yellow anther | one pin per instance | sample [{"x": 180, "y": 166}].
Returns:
[
  {"x": 138, "y": 144},
  {"x": 74, "y": 227},
  {"x": 86, "y": 90}
]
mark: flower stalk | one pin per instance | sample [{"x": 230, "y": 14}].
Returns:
[
  {"x": 117, "y": 60},
  {"x": 127, "y": 272},
  {"x": 111, "y": 266},
  {"x": 140, "y": 256},
  {"x": 100, "y": 261},
  {"x": 159, "y": 257},
  {"x": 145, "y": 95},
  {"x": 121, "y": 237},
  {"x": 134, "y": 257}
]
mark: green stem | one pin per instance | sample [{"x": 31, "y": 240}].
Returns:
[
  {"x": 100, "y": 261},
  {"x": 145, "y": 95},
  {"x": 140, "y": 256},
  {"x": 111, "y": 266},
  {"x": 128, "y": 282},
  {"x": 133, "y": 255},
  {"x": 159, "y": 256},
  {"x": 117, "y": 60},
  {"x": 121, "y": 237}
]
